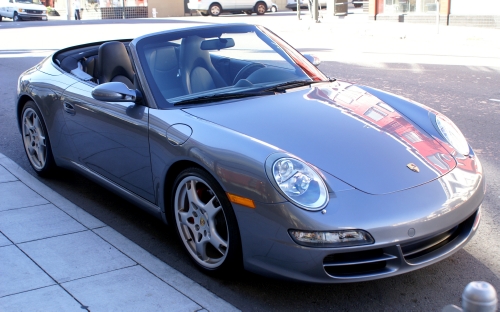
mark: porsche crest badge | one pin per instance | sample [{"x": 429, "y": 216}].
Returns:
[{"x": 413, "y": 167}]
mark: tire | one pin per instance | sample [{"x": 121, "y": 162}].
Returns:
[
  {"x": 0, "y": 18},
  {"x": 248, "y": 12},
  {"x": 203, "y": 14},
  {"x": 215, "y": 9},
  {"x": 36, "y": 140},
  {"x": 260, "y": 8},
  {"x": 16, "y": 18},
  {"x": 205, "y": 222},
  {"x": 273, "y": 9}
]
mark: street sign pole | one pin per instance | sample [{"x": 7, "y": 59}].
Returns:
[
  {"x": 315, "y": 11},
  {"x": 298, "y": 9},
  {"x": 437, "y": 15}
]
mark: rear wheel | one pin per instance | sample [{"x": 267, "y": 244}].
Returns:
[
  {"x": 203, "y": 14},
  {"x": 273, "y": 9},
  {"x": 205, "y": 222},
  {"x": 36, "y": 140},
  {"x": 215, "y": 9},
  {"x": 260, "y": 8}
]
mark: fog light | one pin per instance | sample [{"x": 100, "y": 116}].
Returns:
[{"x": 344, "y": 238}]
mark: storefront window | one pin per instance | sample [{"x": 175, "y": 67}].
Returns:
[
  {"x": 122, "y": 3},
  {"x": 410, "y": 6}
]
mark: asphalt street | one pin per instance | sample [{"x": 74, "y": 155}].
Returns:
[{"x": 464, "y": 86}]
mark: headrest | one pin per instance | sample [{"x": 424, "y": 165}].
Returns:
[
  {"x": 113, "y": 60},
  {"x": 166, "y": 59}
]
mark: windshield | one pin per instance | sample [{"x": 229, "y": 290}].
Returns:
[{"x": 220, "y": 62}]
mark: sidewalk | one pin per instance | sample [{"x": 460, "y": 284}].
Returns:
[{"x": 54, "y": 256}]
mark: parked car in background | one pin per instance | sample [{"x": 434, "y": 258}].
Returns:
[
  {"x": 256, "y": 158},
  {"x": 23, "y": 10},
  {"x": 304, "y": 4},
  {"x": 215, "y": 8}
]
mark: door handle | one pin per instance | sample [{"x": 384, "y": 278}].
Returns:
[{"x": 68, "y": 108}]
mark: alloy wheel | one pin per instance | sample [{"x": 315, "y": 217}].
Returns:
[
  {"x": 34, "y": 138},
  {"x": 201, "y": 222}
]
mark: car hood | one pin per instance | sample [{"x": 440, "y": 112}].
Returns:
[
  {"x": 342, "y": 130},
  {"x": 31, "y": 6}
]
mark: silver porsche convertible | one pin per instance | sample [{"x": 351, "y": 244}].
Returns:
[{"x": 257, "y": 159}]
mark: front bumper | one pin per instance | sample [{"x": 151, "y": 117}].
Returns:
[
  {"x": 412, "y": 229},
  {"x": 32, "y": 17}
]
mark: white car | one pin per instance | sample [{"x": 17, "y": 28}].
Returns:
[
  {"x": 215, "y": 8},
  {"x": 19, "y": 10}
]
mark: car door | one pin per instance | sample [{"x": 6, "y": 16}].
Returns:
[
  {"x": 244, "y": 4},
  {"x": 110, "y": 138},
  {"x": 228, "y": 4},
  {"x": 9, "y": 9}
]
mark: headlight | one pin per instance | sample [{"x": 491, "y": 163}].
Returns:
[
  {"x": 300, "y": 183},
  {"x": 452, "y": 134},
  {"x": 20, "y": 10}
]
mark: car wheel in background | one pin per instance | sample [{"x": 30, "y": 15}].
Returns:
[
  {"x": 248, "y": 12},
  {"x": 205, "y": 222},
  {"x": 273, "y": 9},
  {"x": 203, "y": 14},
  {"x": 36, "y": 140},
  {"x": 215, "y": 9},
  {"x": 260, "y": 8}
]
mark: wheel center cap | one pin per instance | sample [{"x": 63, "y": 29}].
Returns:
[{"x": 202, "y": 222}]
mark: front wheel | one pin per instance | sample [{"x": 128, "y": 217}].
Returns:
[
  {"x": 205, "y": 222},
  {"x": 260, "y": 8},
  {"x": 215, "y": 9},
  {"x": 273, "y": 9},
  {"x": 36, "y": 140},
  {"x": 16, "y": 18}
]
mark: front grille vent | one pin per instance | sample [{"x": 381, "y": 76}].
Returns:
[{"x": 358, "y": 264}]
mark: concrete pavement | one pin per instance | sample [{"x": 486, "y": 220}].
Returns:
[{"x": 54, "y": 256}]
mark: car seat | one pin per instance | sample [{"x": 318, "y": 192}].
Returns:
[
  {"x": 114, "y": 64},
  {"x": 196, "y": 69}
]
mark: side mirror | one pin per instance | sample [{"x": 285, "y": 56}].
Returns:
[
  {"x": 115, "y": 92},
  {"x": 313, "y": 59}
]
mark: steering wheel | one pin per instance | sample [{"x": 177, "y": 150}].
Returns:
[{"x": 247, "y": 71}]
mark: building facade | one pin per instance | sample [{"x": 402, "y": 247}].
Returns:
[{"x": 479, "y": 13}]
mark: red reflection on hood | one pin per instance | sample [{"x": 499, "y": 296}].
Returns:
[{"x": 367, "y": 108}]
